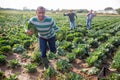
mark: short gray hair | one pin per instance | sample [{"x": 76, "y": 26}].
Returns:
[{"x": 40, "y": 7}]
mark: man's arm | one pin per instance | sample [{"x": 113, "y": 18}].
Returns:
[
  {"x": 30, "y": 29},
  {"x": 75, "y": 15},
  {"x": 88, "y": 14},
  {"x": 56, "y": 29},
  {"x": 65, "y": 14},
  {"x": 29, "y": 32},
  {"x": 94, "y": 14}
]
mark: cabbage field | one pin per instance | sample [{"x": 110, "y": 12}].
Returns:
[{"x": 81, "y": 54}]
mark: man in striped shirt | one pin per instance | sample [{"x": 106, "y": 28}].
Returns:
[{"x": 46, "y": 29}]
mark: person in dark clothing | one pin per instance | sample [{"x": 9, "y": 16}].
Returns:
[{"x": 71, "y": 16}]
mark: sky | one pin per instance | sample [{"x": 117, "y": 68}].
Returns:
[{"x": 61, "y": 4}]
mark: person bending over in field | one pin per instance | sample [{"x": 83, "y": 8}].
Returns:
[
  {"x": 46, "y": 28},
  {"x": 90, "y": 16},
  {"x": 71, "y": 16}
]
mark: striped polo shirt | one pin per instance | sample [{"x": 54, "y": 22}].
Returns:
[{"x": 46, "y": 28}]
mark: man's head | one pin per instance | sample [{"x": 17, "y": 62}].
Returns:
[
  {"x": 91, "y": 11},
  {"x": 40, "y": 12},
  {"x": 70, "y": 10}
]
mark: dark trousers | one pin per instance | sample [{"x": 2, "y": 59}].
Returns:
[{"x": 43, "y": 45}]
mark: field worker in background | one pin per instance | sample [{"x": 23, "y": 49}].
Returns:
[
  {"x": 46, "y": 28},
  {"x": 90, "y": 16},
  {"x": 71, "y": 16}
]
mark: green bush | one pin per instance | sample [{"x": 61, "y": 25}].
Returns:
[
  {"x": 4, "y": 42},
  {"x": 61, "y": 51},
  {"x": 116, "y": 61},
  {"x": 31, "y": 68},
  {"x": 3, "y": 59},
  {"x": 63, "y": 66},
  {"x": 36, "y": 57},
  {"x": 71, "y": 57},
  {"x": 12, "y": 77},
  {"x": 27, "y": 44},
  {"x": 51, "y": 55},
  {"x": 2, "y": 75},
  {"x": 17, "y": 48},
  {"x": 50, "y": 72},
  {"x": 73, "y": 76},
  {"x": 14, "y": 63},
  {"x": 5, "y": 49}
]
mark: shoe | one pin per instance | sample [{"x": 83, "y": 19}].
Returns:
[
  {"x": 45, "y": 62},
  {"x": 45, "y": 68}
]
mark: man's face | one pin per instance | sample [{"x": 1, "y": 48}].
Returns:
[
  {"x": 91, "y": 11},
  {"x": 40, "y": 13},
  {"x": 71, "y": 11}
]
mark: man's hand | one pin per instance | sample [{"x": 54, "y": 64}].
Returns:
[{"x": 29, "y": 32}]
